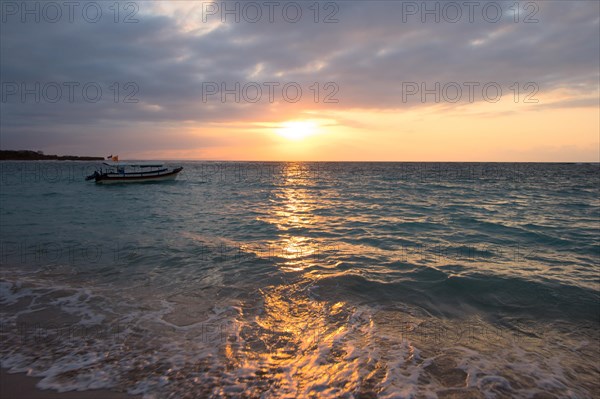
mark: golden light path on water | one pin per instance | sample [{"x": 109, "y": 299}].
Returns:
[{"x": 300, "y": 345}]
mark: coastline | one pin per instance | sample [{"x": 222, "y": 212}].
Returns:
[
  {"x": 20, "y": 385},
  {"x": 28, "y": 155}
]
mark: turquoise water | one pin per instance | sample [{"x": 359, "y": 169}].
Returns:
[{"x": 391, "y": 280}]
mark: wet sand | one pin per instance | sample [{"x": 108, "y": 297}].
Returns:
[{"x": 21, "y": 386}]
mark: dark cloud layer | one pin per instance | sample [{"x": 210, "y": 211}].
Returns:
[{"x": 368, "y": 53}]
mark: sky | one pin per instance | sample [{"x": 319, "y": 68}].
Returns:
[{"x": 303, "y": 81}]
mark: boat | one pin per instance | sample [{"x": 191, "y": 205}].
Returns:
[{"x": 133, "y": 173}]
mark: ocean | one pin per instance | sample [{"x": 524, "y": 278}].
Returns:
[{"x": 302, "y": 280}]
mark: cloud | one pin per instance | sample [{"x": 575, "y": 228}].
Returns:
[{"x": 170, "y": 58}]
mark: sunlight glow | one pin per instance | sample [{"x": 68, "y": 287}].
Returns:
[{"x": 297, "y": 130}]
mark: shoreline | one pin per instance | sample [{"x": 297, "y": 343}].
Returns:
[
  {"x": 20, "y": 385},
  {"x": 29, "y": 155}
]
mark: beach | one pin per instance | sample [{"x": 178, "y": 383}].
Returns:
[{"x": 17, "y": 386}]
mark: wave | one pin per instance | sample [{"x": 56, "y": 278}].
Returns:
[
  {"x": 446, "y": 294},
  {"x": 286, "y": 340}
]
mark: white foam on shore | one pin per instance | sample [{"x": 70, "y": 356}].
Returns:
[
  {"x": 11, "y": 293},
  {"x": 286, "y": 343}
]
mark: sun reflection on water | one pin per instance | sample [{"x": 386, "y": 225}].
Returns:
[
  {"x": 292, "y": 212},
  {"x": 296, "y": 346},
  {"x": 293, "y": 344}
]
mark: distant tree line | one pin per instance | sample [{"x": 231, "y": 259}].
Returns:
[{"x": 28, "y": 155}]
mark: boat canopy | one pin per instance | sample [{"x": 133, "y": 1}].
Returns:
[{"x": 134, "y": 165}]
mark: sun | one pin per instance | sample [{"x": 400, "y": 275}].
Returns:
[{"x": 297, "y": 130}]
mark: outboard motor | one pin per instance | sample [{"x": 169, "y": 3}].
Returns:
[{"x": 92, "y": 176}]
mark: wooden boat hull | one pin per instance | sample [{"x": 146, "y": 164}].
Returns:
[{"x": 115, "y": 178}]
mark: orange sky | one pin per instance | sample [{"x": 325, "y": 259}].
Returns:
[{"x": 503, "y": 131}]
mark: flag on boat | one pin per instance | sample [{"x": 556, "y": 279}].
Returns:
[{"x": 115, "y": 158}]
